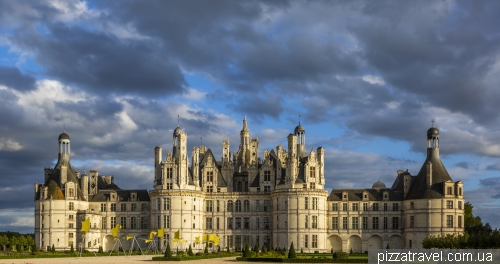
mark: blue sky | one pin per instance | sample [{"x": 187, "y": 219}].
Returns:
[{"x": 365, "y": 77}]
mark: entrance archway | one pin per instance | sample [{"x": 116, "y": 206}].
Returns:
[
  {"x": 335, "y": 243},
  {"x": 355, "y": 244},
  {"x": 375, "y": 242}
]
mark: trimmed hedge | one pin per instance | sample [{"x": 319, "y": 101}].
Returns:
[
  {"x": 341, "y": 255},
  {"x": 182, "y": 258},
  {"x": 303, "y": 260}
]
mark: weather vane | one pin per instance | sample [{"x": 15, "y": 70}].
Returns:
[{"x": 433, "y": 122}]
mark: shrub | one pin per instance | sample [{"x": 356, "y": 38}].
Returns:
[
  {"x": 53, "y": 249},
  {"x": 100, "y": 250},
  {"x": 190, "y": 251},
  {"x": 72, "y": 249},
  {"x": 340, "y": 255},
  {"x": 206, "y": 249},
  {"x": 168, "y": 252},
  {"x": 291, "y": 252}
]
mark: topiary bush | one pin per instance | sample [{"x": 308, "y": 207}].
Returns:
[
  {"x": 291, "y": 252},
  {"x": 168, "y": 252},
  {"x": 340, "y": 255}
]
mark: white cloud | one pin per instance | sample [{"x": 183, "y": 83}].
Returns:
[
  {"x": 9, "y": 145},
  {"x": 373, "y": 79},
  {"x": 194, "y": 94}
]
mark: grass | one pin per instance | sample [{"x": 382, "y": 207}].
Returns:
[{"x": 44, "y": 254}]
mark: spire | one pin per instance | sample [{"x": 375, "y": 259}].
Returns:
[
  {"x": 245, "y": 123},
  {"x": 177, "y": 120}
]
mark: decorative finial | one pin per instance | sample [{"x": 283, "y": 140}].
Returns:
[
  {"x": 433, "y": 122},
  {"x": 299, "y": 120},
  {"x": 64, "y": 128},
  {"x": 245, "y": 117},
  {"x": 177, "y": 120}
]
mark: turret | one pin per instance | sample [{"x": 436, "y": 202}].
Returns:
[
  {"x": 245, "y": 133},
  {"x": 158, "y": 155},
  {"x": 300, "y": 133}
]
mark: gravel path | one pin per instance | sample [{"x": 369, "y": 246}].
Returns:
[{"x": 115, "y": 260}]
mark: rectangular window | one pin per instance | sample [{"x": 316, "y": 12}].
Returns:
[
  {"x": 365, "y": 222},
  {"x": 449, "y": 221},
  {"x": 412, "y": 221},
  {"x": 314, "y": 221},
  {"x": 365, "y": 206},
  {"x": 335, "y": 206},
  {"x": 267, "y": 175},
  {"x": 306, "y": 241},
  {"x": 412, "y": 205},
  {"x": 385, "y": 206},
  {"x": 246, "y": 223},
  {"x": 375, "y": 206},
  {"x": 113, "y": 221},
  {"x": 71, "y": 192},
  {"x": 315, "y": 203},
  {"x": 166, "y": 203},
  {"x": 123, "y": 207},
  {"x": 306, "y": 221},
  {"x": 306, "y": 202},
  {"x": 246, "y": 206},
  {"x": 70, "y": 225},
  {"x": 208, "y": 223},
  {"x": 103, "y": 207},
  {"x": 459, "y": 221},
  {"x": 355, "y": 206},
  {"x": 133, "y": 222},
  {"x": 210, "y": 189},
  {"x": 312, "y": 185},
  {"x": 104, "y": 223},
  {"x": 123, "y": 222},
  {"x": 166, "y": 221},
  {"x": 71, "y": 206},
  {"x": 335, "y": 222},
  {"x": 237, "y": 224},
  {"x": 158, "y": 205},
  {"x": 344, "y": 223},
  {"x": 267, "y": 223},
  {"x": 395, "y": 207},
  {"x": 210, "y": 176},
  {"x": 355, "y": 223},
  {"x": 385, "y": 222},
  {"x": 169, "y": 186},
  {"x": 144, "y": 207},
  {"x": 209, "y": 206},
  {"x": 218, "y": 205},
  {"x": 314, "y": 243},
  {"x": 449, "y": 204},
  {"x": 71, "y": 217},
  {"x": 144, "y": 222},
  {"x": 217, "y": 223},
  {"x": 267, "y": 205},
  {"x": 257, "y": 223},
  {"x": 229, "y": 223},
  {"x": 344, "y": 207},
  {"x": 395, "y": 222},
  {"x": 375, "y": 223},
  {"x": 113, "y": 207},
  {"x": 133, "y": 207},
  {"x": 257, "y": 206},
  {"x": 312, "y": 172},
  {"x": 460, "y": 205},
  {"x": 450, "y": 191},
  {"x": 169, "y": 173}
]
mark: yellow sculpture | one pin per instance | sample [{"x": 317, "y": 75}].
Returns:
[{"x": 86, "y": 225}]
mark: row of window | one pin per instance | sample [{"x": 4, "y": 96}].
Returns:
[
  {"x": 449, "y": 205},
  {"x": 123, "y": 207},
  {"x": 355, "y": 223},
  {"x": 366, "y": 207},
  {"x": 125, "y": 222},
  {"x": 238, "y": 224},
  {"x": 449, "y": 221}
]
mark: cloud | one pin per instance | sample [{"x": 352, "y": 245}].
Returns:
[
  {"x": 373, "y": 79},
  {"x": 12, "y": 77}
]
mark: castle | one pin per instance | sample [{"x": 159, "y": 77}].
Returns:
[{"x": 242, "y": 198}]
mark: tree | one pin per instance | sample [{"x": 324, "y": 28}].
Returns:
[
  {"x": 256, "y": 247},
  {"x": 291, "y": 252},
  {"x": 168, "y": 252},
  {"x": 190, "y": 251},
  {"x": 53, "y": 249},
  {"x": 30, "y": 242},
  {"x": 246, "y": 253},
  {"x": 206, "y": 248},
  {"x": 4, "y": 241},
  {"x": 14, "y": 241},
  {"x": 72, "y": 249}
]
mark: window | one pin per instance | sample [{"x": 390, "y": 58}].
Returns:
[
  {"x": 218, "y": 189},
  {"x": 113, "y": 207},
  {"x": 314, "y": 221},
  {"x": 113, "y": 221},
  {"x": 267, "y": 189},
  {"x": 460, "y": 205},
  {"x": 306, "y": 241},
  {"x": 449, "y": 190},
  {"x": 166, "y": 221},
  {"x": 306, "y": 202},
  {"x": 412, "y": 205},
  {"x": 144, "y": 207},
  {"x": 217, "y": 223},
  {"x": 70, "y": 235},
  {"x": 395, "y": 222},
  {"x": 166, "y": 203},
  {"x": 375, "y": 223},
  {"x": 133, "y": 207},
  {"x": 238, "y": 206},
  {"x": 104, "y": 223},
  {"x": 375, "y": 206},
  {"x": 169, "y": 173},
  {"x": 257, "y": 205},
  {"x": 70, "y": 225},
  {"x": 344, "y": 207},
  {"x": 71, "y": 206},
  {"x": 158, "y": 205},
  {"x": 237, "y": 224},
  {"x": 449, "y": 221},
  {"x": 306, "y": 222},
  {"x": 355, "y": 223},
  {"x": 385, "y": 222},
  {"x": 365, "y": 206},
  {"x": 208, "y": 223},
  {"x": 258, "y": 189},
  {"x": 385, "y": 206},
  {"x": 210, "y": 189},
  {"x": 71, "y": 217},
  {"x": 344, "y": 222},
  {"x": 335, "y": 222},
  {"x": 123, "y": 222},
  {"x": 229, "y": 223},
  {"x": 169, "y": 186},
  {"x": 123, "y": 207},
  {"x": 246, "y": 206},
  {"x": 210, "y": 176},
  {"x": 144, "y": 222},
  {"x": 355, "y": 206},
  {"x": 312, "y": 185},
  {"x": 71, "y": 192},
  {"x": 267, "y": 205},
  {"x": 218, "y": 205},
  {"x": 315, "y": 203},
  {"x": 365, "y": 222},
  {"x": 257, "y": 223},
  {"x": 412, "y": 221},
  {"x": 267, "y": 175},
  {"x": 460, "y": 191},
  {"x": 335, "y": 206},
  {"x": 229, "y": 206},
  {"x": 267, "y": 223},
  {"x": 449, "y": 204},
  {"x": 314, "y": 243},
  {"x": 133, "y": 222},
  {"x": 312, "y": 172},
  {"x": 459, "y": 221},
  {"x": 395, "y": 207},
  {"x": 103, "y": 207},
  {"x": 246, "y": 223},
  {"x": 209, "y": 206}
]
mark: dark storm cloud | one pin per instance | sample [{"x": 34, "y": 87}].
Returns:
[
  {"x": 463, "y": 165},
  {"x": 259, "y": 106},
  {"x": 13, "y": 78}
]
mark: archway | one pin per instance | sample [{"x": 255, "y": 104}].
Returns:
[
  {"x": 335, "y": 243},
  {"x": 395, "y": 242},
  {"x": 108, "y": 243},
  {"x": 355, "y": 244},
  {"x": 375, "y": 242}
]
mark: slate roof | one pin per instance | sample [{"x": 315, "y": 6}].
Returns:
[
  {"x": 357, "y": 194},
  {"x": 123, "y": 195},
  {"x": 204, "y": 159}
]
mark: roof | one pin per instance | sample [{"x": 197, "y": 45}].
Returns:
[
  {"x": 204, "y": 159},
  {"x": 64, "y": 136},
  {"x": 123, "y": 195},
  {"x": 357, "y": 194}
]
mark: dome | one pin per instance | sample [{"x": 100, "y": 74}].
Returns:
[
  {"x": 178, "y": 131},
  {"x": 432, "y": 132},
  {"x": 63, "y": 136},
  {"x": 299, "y": 129},
  {"x": 378, "y": 185}
]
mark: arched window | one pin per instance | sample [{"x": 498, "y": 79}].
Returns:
[
  {"x": 238, "y": 206},
  {"x": 229, "y": 206},
  {"x": 246, "y": 206}
]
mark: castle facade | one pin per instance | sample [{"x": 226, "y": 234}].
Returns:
[{"x": 272, "y": 200}]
